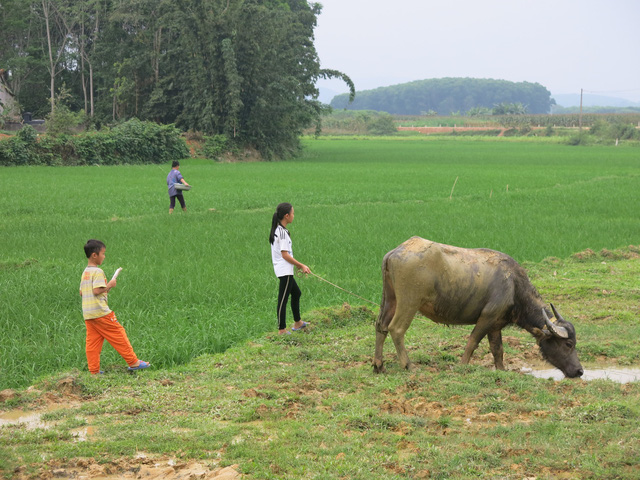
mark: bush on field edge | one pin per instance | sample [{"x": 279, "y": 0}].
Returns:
[
  {"x": 215, "y": 146},
  {"x": 132, "y": 142}
]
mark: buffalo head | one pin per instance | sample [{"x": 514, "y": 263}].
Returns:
[{"x": 557, "y": 342}]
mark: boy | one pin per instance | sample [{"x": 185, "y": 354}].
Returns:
[
  {"x": 175, "y": 177},
  {"x": 100, "y": 320}
]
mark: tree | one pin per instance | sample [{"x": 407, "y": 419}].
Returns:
[
  {"x": 56, "y": 39},
  {"x": 252, "y": 72},
  {"x": 87, "y": 19},
  {"x": 245, "y": 69},
  {"x": 478, "y": 111},
  {"x": 21, "y": 55},
  {"x": 509, "y": 109}
]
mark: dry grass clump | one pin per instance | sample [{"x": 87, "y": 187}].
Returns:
[{"x": 632, "y": 251}]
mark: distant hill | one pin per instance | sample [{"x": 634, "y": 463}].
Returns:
[
  {"x": 591, "y": 100},
  {"x": 444, "y": 96}
]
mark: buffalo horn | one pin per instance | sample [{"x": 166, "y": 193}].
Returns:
[
  {"x": 557, "y": 315},
  {"x": 553, "y": 328}
]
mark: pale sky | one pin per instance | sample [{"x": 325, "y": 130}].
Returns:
[{"x": 565, "y": 45}]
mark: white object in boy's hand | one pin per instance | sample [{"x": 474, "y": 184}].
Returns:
[{"x": 115, "y": 275}]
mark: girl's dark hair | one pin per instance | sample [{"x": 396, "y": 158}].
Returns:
[
  {"x": 175, "y": 164},
  {"x": 93, "y": 246},
  {"x": 281, "y": 211}
]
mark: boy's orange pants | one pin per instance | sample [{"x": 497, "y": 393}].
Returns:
[{"x": 107, "y": 328}]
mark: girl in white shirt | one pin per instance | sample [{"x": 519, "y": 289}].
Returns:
[{"x": 283, "y": 263}]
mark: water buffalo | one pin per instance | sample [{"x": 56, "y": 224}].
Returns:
[{"x": 460, "y": 286}]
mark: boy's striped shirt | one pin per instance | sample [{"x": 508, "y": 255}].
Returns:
[{"x": 93, "y": 306}]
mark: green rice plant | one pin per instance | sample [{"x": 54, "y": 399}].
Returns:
[{"x": 200, "y": 282}]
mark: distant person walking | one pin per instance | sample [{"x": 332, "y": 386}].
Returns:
[
  {"x": 175, "y": 177},
  {"x": 283, "y": 264},
  {"x": 99, "y": 319}
]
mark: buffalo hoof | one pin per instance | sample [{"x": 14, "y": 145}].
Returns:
[{"x": 378, "y": 367}]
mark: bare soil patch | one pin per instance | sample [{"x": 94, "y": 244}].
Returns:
[
  {"x": 65, "y": 394},
  {"x": 140, "y": 467}
]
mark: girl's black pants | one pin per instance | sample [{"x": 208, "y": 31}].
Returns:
[{"x": 288, "y": 286}]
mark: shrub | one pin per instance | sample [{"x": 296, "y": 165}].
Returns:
[
  {"x": 381, "y": 125},
  {"x": 144, "y": 142},
  {"x": 27, "y": 134},
  {"x": 215, "y": 146},
  {"x": 53, "y": 151},
  {"x": 359, "y": 122},
  {"x": 63, "y": 121},
  {"x": 600, "y": 127},
  {"x": 14, "y": 151},
  {"x": 20, "y": 148},
  {"x": 580, "y": 139},
  {"x": 130, "y": 142},
  {"x": 478, "y": 111},
  {"x": 476, "y": 133},
  {"x": 623, "y": 131}
]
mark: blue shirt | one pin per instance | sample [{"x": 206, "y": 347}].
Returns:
[{"x": 174, "y": 177}]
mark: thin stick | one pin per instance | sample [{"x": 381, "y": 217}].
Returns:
[
  {"x": 344, "y": 290},
  {"x": 454, "y": 186}
]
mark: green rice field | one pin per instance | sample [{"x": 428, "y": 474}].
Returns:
[{"x": 201, "y": 282}]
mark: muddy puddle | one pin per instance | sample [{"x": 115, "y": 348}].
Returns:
[
  {"x": 32, "y": 419},
  {"x": 142, "y": 466},
  {"x": 620, "y": 375}
]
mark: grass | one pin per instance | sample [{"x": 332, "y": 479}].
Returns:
[
  {"x": 309, "y": 406},
  {"x": 199, "y": 283},
  {"x": 197, "y": 296}
]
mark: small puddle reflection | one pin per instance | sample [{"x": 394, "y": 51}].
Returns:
[
  {"x": 33, "y": 419},
  {"x": 620, "y": 375},
  {"x": 82, "y": 434}
]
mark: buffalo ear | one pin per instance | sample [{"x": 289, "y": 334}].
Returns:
[{"x": 540, "y": 334}]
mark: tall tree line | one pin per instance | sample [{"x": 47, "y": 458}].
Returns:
[
  {"x": 243, "y": 68},
  {"x": 449, "y": 95}
]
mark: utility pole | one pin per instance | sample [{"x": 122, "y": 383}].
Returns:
[{"x": 580, "y": 118}]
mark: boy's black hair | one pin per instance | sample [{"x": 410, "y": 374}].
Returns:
[
  {"x": 93, "y": 246},
  {"x": 175, "y": 164}
]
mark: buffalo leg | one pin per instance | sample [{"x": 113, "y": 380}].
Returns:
[
  {"x": 387, "y": 311},
  {"x": 495, "y": 342},
  {"x": 397, "y": 328},
  {"x": 481, "y": 329},
  {"x": 378, "y": 365}
]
